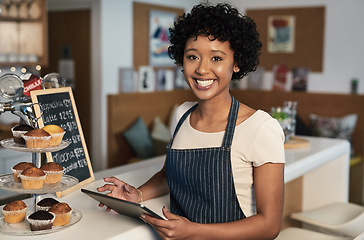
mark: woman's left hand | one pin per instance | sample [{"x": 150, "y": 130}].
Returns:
[{"x": 176, "y": 227}]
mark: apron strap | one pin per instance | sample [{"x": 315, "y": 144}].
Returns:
[
  {"x": 230, "y": 127},
  {"x": 181, "y": 120}
]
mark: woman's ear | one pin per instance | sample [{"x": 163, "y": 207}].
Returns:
[{"x": 236, "y": 69}]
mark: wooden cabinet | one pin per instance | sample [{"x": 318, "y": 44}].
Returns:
[{"x": 23, "y": 33}]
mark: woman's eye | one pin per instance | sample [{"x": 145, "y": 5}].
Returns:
[
  {"x": 216, "y": 58},
  {"x": 191, "y": 57}
]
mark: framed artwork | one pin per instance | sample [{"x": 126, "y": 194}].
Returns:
[
  {"x": 300, "y": 78},
  {"x": 281, "y": 34},
  {"x": 291, "y": 36},
  {"x": 280, "y": 77},
  {"x": 142, "y": 13},
  {"x": 146, "y": 80},
  {"x": 164, "y": 80},
  {"x": 256, "y": 78},
  {"x": 179, "y": 79},
  {"x": 127, "y": 80},
  {"x": 159, "y": 24}
]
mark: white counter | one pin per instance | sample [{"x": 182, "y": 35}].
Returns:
[
  {"x": 325, "y": 163},
  {"x": 325, "y": 169}
]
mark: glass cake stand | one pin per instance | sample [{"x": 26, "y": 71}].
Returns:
[
  {"x": 7, "y": 183},
  {"x": 23, "y": 228},
  {"x": 11, "y": 145}
]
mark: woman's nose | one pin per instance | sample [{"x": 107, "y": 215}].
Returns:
[{"x": 203, "y": 67}]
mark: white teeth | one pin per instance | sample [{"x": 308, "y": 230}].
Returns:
[{"x": 204, "y": 83}]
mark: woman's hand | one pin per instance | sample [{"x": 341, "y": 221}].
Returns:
[
  {"x": 176, "y": 227},
  {"x": 120, "y": 189}
]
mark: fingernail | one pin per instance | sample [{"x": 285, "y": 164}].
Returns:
[{"x": 142, "y": 217}]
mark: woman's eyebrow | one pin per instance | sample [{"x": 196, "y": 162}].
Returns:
[
  {"x": 191, "y": 49},
  {"x": 214, "y": 51},
  {"x": 218, "y": 51}
]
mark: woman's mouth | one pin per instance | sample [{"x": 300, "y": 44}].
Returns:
[{"x": 204, "y": 83}]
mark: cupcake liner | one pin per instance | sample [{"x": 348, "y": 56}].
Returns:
[
  {"x": 18, "y": 133},
  {"x": 32, "y": 182},
  {"x": 14, "y": 216},
  {"x": 62, "y": 218},
  {"x": 29, "y": 138},
  {"x": 56, "y": 139},
  {"x": 43, "y": 208},
  {"x": 46, "y": 203},
  {"x": 53, "y": 176},
  {"x": 18, "y": 136},
  {"x": 28, "y": 178},
  {"x": 16, "y": 174},
  {"x": 36, "y": 142},
  {"x": 36, "y": 224}
]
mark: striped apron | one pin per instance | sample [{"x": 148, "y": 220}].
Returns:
[{"x": 201, "y": 181}]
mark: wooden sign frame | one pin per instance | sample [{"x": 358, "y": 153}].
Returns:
[{"x": 34, "y": 96}]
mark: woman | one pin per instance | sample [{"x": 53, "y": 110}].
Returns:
[{"x": 225, "y": 163}]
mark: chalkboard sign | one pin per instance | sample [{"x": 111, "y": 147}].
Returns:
[{"x": 57, "y": 106}]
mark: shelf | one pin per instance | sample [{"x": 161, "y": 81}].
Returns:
[
  {"x": 24, "y": 35},
  {"x": 13, "y": 19},
  {"x": 22, "y": 64}
]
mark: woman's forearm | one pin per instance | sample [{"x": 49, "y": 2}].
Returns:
[
  {"x": 254, "y": 227},
  {"x": 156, "y": 186}
]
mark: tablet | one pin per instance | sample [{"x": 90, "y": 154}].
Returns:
[{"x": 127, "y": 208}]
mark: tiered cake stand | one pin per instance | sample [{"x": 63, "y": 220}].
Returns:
[{"x": 7, "y": 183}]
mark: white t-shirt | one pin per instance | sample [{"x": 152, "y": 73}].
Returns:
[{"x": 257, "y": 140}]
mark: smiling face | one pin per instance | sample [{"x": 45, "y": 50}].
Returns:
[{"x": 208, "y": 67}]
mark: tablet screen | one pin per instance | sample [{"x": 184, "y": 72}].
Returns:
[{"x": 127, "y": 208}]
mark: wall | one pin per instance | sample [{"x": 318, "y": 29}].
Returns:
[
  {"x": 343, "y": 50},
  {"x": 112, "y": 46}
]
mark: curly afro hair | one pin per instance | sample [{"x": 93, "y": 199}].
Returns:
[{"x": 221, "y": 22}]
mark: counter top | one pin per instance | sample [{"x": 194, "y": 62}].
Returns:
[
  {"x": 320, "y": 150},
  {"x": 96, "y": 223}
]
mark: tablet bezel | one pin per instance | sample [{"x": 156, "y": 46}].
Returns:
[{"x": 123, "y": 207}]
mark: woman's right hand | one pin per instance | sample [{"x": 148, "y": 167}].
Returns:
[{"x": 119, "y": 189}]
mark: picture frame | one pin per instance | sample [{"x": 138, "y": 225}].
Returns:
[
  {"x": 159, "y": 24},
  {"x": 127, "y": 80},
  {"x": 146, "y": 79}
]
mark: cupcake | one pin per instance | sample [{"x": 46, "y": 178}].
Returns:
[
  {"x": 56, "y": 133},
  {"x": 46, "y": 203},
  {"x": 54, "y": 172},
  {"x": 62, "y": 212},
  {"x": 32, "y": 178},
  {"x": 40, "y": 220},
  {"x": 37, "y": 138},
  {"x": 14, "y": 212},
  {"x": 19, "y": 168},
  {"x": 20, "y": 130}
]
